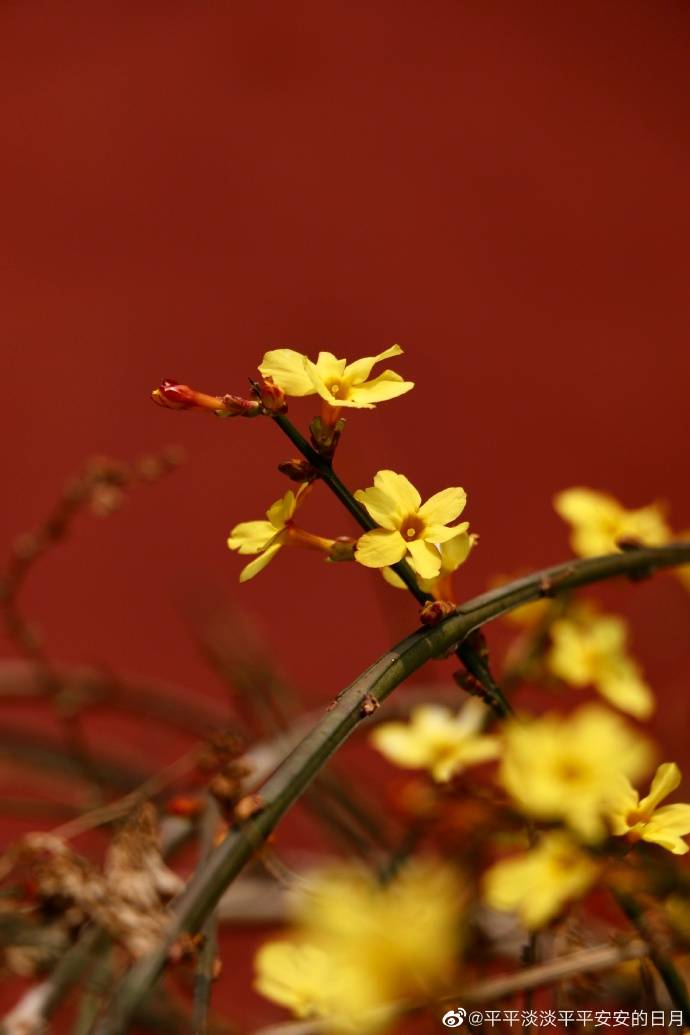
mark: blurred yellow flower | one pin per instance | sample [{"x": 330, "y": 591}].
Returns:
[
  {"x": 643, "y": 821},
  {"x": 566, "y": 767},
  {"x": 338, "y": 382},
  {"x": 407, "y": 525},
  {"x": 266, "y": 538},
  {"x": 303, "y": 978},
  {"x": 589, "y": 648},
  {"x": 538, "y": 884},
  {"x": 454, "y": 552},
  {"x": 599, "y": 521},
  {"x": 438, "y": 740},
  {"x": 360, "y": 950}
]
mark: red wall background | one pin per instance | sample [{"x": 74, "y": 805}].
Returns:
[{"x": 501, "y": 188}]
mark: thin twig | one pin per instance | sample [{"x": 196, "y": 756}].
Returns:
[
  {"x": 116, "y": 809},
  {"x": 206, "y": 963},
  {"x": 465, "y": 652},
  {"x": 291, "y": 778},
  {"x": 96, "y": 688},
  {"x": 101, "y": 486}
]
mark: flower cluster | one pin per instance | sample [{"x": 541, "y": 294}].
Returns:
[
  {"x": 559, "y": 807},
  {"x": 402, "y": 528}
]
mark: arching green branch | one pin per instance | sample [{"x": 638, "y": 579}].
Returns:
[{"x": 350, "y": 708}]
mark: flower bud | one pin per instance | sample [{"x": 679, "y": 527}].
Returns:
[
  {"x": 176, "y": 396},
  {"x": 297, "y": 470},
  {"x": 271, "y": 395},
  {"x": 173, "y": 395}
]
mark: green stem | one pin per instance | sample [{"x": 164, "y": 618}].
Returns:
[
  {"x": 465, "y": 653},
  {"x": 203, "y": 978},
  {"x": 297, "y": 771}
]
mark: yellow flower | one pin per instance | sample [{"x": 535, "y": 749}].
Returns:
[
  {"x": 590, "y": 649},
  {"x": 360, "y": 950},
  {"x": 407, "y": 525},
  {"x": 454, "y": 552},
  {"x": 642, "y": 820},
  {"x": 437, "y": 740},
  {"x": 302, "y": 978},
  {"x": 537, "y": 884},
  {"x": 599, "y": 521},
  {"x": 265, "y": 538},
  {"x": 566, "y": 767},
  {"x": 338, "y": 382}
]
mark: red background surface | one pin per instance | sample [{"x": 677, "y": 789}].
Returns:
[{"x": 500, "y": 188}]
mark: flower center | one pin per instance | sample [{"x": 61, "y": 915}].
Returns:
[
  {"x": 412, "y": 527},
  {"x": 571, "y": 771}
]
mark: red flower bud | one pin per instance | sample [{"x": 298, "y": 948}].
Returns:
[
  {"x": 272, "y": 397},
  {"x": 173, "y": 395}
]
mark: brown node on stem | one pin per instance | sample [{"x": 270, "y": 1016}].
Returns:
[
  {"x": 435, "y": 611},
  {"x": 343, "y": 549},
  {"x": 248, "y": 807},
  {"x": 369, "y": 706}
]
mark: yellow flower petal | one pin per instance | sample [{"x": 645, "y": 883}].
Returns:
[
  {"x": 623, "y": 687},
  {"x": 392, "y": 578},
  {"x": 282, "y": 510},
  {"x": 400, "y": 745},
  {"x": 360, "y": 369},
  {"x": 666, "y": 779},
  {"x": 379, "y": 548},
  {"x": 444, "y": 533},
  {"x": 380, "y": 506},
  {"x": 444, "y": 506},
  {"x": 287, "y": 368},
  {"x": 400, "y": 490},
  {"x": 251, "y": 536},
  {"x": 387, "y": 385},
  {"x": 456, "y": 551},
  {"x": 667, "y": 827},
  {"x": 260, "y": 562},
  {"x": 295, "y": 976},
  {"x": 426, "y": 558},
  {"x": 329, "y": 366}
]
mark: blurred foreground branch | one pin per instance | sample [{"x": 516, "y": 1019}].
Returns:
[{"x": 350, "y": 708}]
